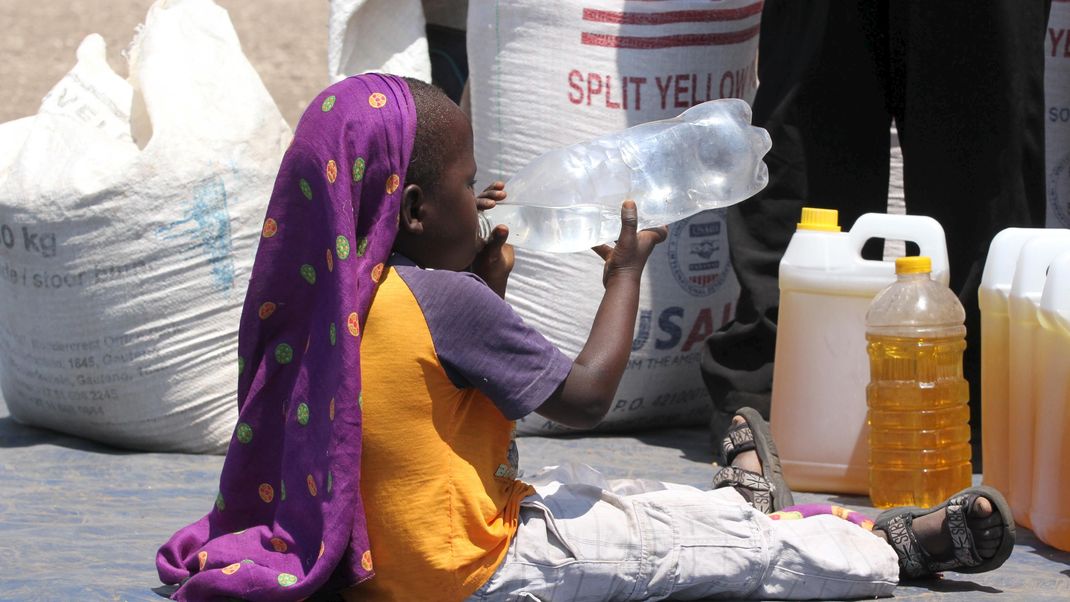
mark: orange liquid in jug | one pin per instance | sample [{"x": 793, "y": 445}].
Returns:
[{"x": 919, "y": 432}]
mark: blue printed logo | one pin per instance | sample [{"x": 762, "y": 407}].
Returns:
[
  {"x": 698, "y": 253},
  {"x": 206, "y": 227}
]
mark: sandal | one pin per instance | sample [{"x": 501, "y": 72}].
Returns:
[
  {"x": 767, "y": 491},
  {"x": 915, "y": 562}
]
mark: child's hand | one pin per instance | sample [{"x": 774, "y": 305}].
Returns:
[
  {"x": 495, "y": 261},
  {"x": 494, "y": 194},
  {"x": 633, "y": 248}
]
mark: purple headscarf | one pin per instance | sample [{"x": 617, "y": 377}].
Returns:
[{"x": 289, "y": 519}]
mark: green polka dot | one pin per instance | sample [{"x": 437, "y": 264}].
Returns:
[
  {"x": 341, "y": 244},
  {"x": 219, "y": 503},
  {"x": 328, "y": 103},
  {"x": 241, "y": 365},
  {"x": 358, "y": 169},
  {"x": 306, "y": 189},
  {"x": 362, "y": 246},
  {"x": 302, "y": 414},
  {"x": 286, "y": 579},
  {"x": 245, "y": 432},
  {"x": 333, "y": 334},
  {"x": 282, "y": 491},
  {"x": 360, "y": 399},
  {"x": 247, "y": 561},
  {"x": 308, "y": 273},
  {"x": 284, "y": 354},
  {"x": 238, "y": 532},
  {"x": 330, "y": 481}
]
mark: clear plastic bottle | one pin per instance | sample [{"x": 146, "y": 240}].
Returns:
[
  {"x": 919, "y": 433},
  {"x": 569, "y": 198}
]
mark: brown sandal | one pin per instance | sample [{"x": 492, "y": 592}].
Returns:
[
  {"x": 767, "y": 491},
  {"x": 915, "y": 562}
]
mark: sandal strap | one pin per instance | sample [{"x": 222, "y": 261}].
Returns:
[
  {"x": 914, "y": 561},
  {"x": 912, "y": 557},
  {"x": 738, "y": 439},
  {"x": 962, "y": 543},
  {"x": 754, "y": 487}
]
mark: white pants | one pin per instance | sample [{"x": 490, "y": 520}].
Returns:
[{"x": 583, "y": 537}]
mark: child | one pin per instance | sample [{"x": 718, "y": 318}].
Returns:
[{"x": 377, "y": 436}]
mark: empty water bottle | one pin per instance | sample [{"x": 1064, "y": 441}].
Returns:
[{"x": 569, "y": 198}]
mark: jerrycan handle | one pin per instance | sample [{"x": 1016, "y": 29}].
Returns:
[
  {"x": 922, "y": 230},
  {"x": 1033, "y": 262},
  {"x": 1056, "y": 296}
]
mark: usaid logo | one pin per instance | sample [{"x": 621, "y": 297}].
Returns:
[
  {"x": 1059, "y": 192},
  {"x": 698, "y": 253}
]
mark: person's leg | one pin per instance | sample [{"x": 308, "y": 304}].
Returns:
[
  {"x": 970, "y": 82},
  {"x": 594, "y": 539},
  {"x": 820, "y": 99}
]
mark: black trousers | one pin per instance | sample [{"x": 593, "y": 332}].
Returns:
[{"x": 964, "y": 81}]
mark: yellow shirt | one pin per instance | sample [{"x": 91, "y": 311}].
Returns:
[{"x": 439, "y": 461}]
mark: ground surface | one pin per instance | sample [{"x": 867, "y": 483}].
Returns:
[
  {"x": 285, "y": 40},
  {"x": 80, "y": 521}
]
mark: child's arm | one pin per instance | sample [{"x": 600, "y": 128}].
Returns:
[{"x": 587, "y": 393}]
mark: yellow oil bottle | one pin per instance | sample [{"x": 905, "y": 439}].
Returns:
[{"x": 919, "y": 434}]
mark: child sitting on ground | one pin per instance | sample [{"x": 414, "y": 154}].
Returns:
[{"x": 378, "y": 384}]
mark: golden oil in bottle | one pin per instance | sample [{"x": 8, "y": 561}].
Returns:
[
  {"x": 919, "y": 432},
  {"x": 917, "y": 398}
]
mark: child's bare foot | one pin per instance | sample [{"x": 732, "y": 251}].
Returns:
[{"x": 971, "y": 533}]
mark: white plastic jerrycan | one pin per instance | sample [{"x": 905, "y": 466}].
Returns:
[
  {"x": 993, "y": 300},
  {"x": 1023, "y": 309},
  {"x": 821, "y": 369},
  {"x": 1049, "y": 513}
]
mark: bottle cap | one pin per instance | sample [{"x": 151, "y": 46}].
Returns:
[
  {"x": 825, "y": 220},
  {"x": 913, "y": 265}
]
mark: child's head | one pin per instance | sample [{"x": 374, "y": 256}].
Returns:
[{"x": 439, "y": 221}]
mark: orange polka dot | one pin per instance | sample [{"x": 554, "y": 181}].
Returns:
[
  {"x": 267, "y": 493},
  {"x": 332, "y": 171},
  {"x": 322, "y": 548},
  {"x": 266, "y": 309},
  {"x": 330, "y": 261},
  {"x": 377, "y": 273},
  {"x": 271, "y": 227},
  {"x": 377, "y": 100},
  {"x": 331, "y": 414},
  {"x": 353, "y": 324},
  {"x": 278, "y": 544},
  {"x": 230, "y": 569},
  {"x": 202, "y": 558},
  {"x": 311, "y": 485},
  {"x": 366, "y": 560},
  {"x": 392, "y": 183}
]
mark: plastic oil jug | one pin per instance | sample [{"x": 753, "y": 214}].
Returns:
[
  {"x": 1024, "y": 302},
  {"x": 919, "y": 431},
  {"x": 1049, "y": 513},
  {"x": 820, "y": 373},
  {"x": 993, "y": 300}
]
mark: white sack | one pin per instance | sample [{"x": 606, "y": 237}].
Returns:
[
  {"x": 377, "y": 35},
  {"x": 546, "y": 73},
  {"x": 123, "y": 270},
  {"x": 1057, "y": 114}
]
